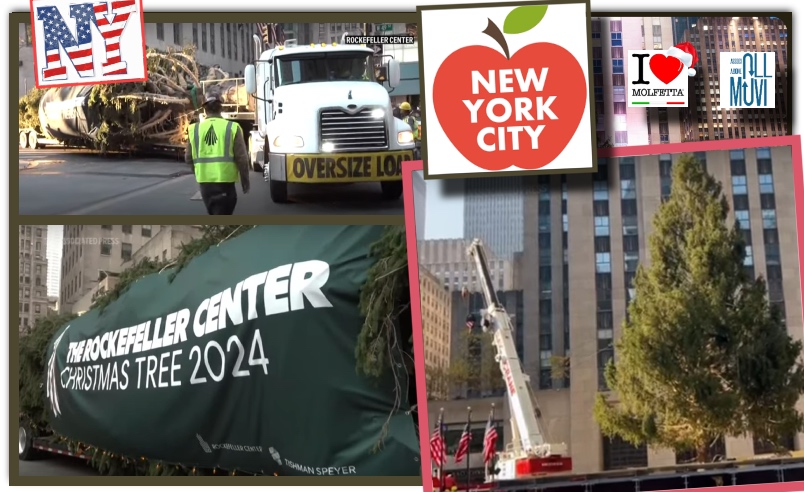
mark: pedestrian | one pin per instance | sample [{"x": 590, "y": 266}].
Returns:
[
  {"x": 408, "y": 118},
  {"x": 216, "y": 148}
]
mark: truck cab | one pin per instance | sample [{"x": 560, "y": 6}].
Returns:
[{"x": 323, "y": 115}]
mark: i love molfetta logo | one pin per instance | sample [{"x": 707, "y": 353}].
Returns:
[{"x": 511, "y": 94}]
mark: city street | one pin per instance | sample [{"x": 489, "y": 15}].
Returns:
[
  {"x": 55, "y": 466},
  {"x": 57, "y": 181}
]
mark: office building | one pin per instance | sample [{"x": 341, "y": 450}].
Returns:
[
  {"x": 585, "y": 235},
  {"x": 618, "y": 125},
  {"x": 492, "y": 212},
  {"x": 165, "y": 244},
  {"x": 419, "y": 204},
  {"x": 447, "y": 259},
  {"x": 91, "y": 253},
  {"x": 33, "y": 300},
  {"x": 711, "y": 36},
  {"x": 54, "y": 237},
  {"x": 436, "y": 328}
]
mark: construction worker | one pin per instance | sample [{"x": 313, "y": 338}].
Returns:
[
  {"x": 408, "y": 118},
  {"x": 216, "y": 148}
]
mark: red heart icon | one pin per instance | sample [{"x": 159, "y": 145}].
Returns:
[
  {"x": 665, "y": 68},
  {"x": 558, "y": 106}
]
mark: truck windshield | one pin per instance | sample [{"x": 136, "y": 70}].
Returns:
[{"x": 324, "y": 67}]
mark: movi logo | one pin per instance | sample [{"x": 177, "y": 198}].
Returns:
[{"x": 122, "y": 40}]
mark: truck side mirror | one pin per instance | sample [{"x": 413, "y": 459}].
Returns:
[
  {"x": 393, "y": 73},
  {"x": 251, "y": 79}
]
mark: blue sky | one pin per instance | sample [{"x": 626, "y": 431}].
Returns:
[{"x": 444, "y": 215}]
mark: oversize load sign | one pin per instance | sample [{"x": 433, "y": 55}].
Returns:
[{"x": 245, "y": 361}]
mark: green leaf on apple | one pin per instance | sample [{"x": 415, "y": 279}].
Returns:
[{"x": 523, "y": 19}]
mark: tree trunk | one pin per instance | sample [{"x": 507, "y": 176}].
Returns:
[{"x": 703, "y": 453}]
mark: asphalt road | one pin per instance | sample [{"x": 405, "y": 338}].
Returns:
[
  {"x": 56, "y": 181},
  {"x": 55, "y": 466}
]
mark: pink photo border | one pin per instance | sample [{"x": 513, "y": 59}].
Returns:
[{"x": 413, "y": 271}]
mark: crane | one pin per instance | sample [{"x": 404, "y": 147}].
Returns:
[{"x": 528, "y": 455}]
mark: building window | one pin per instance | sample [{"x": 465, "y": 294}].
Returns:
[
  {"x": 203, "y": 37},
  {"x": 146, "y": 231},
  {"x": 666, "y": 175},
  {"x": 177, "y": 35},
  {"x": 223, "y": 40},
  {"x": 212, "y": 38},
  {"x": 125, "y": 251},
  {"x": 127, "y": 229},
  {"x": 160, "y": 31},
  {"x": 619, "y": 454},
  {"x": 106, "y": 227},
  {"x": 195, "y": 35},
  {"x": 106, "y": 247},
  {"x": 235, "y": 42},
  {"x": 229, "y": 40}
]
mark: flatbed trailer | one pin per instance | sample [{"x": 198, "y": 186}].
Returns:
[{"x": 31, "y": 447}]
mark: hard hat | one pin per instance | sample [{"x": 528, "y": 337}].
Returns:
[
  {"x": 405, "y": 106},
  {"x": 213, "y": 94}
]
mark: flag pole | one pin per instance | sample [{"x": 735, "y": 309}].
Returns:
[
  {"x": 469, "y": 453},
  {"x": 443, "y": 451}
]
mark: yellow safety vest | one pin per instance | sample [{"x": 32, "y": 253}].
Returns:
[
  {"x": 212, "y": 145},
  {"x": 414, "y": 126}
]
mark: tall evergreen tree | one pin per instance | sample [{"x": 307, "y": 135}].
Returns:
[{"x": 703, "y": 354}]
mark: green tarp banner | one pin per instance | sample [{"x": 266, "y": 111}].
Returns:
[{"x": 245, "y": 361}]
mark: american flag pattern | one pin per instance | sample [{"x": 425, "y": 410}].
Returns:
[
  {"x": 438, "y": 448},
  {"x": 57, "y": 34},
  {"x": 489, "y": 441},
  {"x": 463, "y": 444}
]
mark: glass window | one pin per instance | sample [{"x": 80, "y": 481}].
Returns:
[
  {"x": 738, "y": 185},
  {"x": 769, "y": 219},
  {"x": 630, "y": 225},
  {"x": 603, "y": 262},
  {"x": 743, "y": 219},
  {"x": 601, "y": 226},
  {"x": 766, "y": 183},
  {"x": 749, "y": 256}
]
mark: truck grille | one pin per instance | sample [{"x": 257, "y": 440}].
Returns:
[{"x": 353, "y": 132}]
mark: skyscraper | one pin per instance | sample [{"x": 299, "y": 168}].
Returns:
[
  {"x": 54, "y": 246},
  {"x": 419, "y": 203},
  {"x": 618, "y": 125},
  {"x": 492, "y": 211},
  {"x": 33, "y": 302},
  {"x": 703, "y": 119}
]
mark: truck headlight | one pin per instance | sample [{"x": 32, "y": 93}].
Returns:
[
  {"x": 327, "y": 147},
  {"x": 404, "y": 137},
  {"x": 288, "y": 141},
  {"x": 378, "y": 113}
]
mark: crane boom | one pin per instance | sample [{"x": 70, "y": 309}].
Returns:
[{"x": 529, "y": 443}]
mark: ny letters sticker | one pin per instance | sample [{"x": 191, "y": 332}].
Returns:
[
  {"x": 507, "y": 89},
  {"x": 88, "y": 43}
]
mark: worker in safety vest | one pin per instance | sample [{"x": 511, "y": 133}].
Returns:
[
  {"x": 408, "y": 118},
  {"x": 217, "y": 151}
]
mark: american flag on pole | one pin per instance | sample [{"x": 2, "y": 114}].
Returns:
[
  {"x": 463, "y": 444},
  {"x": 489, "y": 440},
  {"x": 438, "y": 448}
]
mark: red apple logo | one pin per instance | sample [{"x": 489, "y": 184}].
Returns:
[{"x": 500, "y": 110}]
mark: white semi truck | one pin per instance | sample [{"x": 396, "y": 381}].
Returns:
[
  {"x": 323, "y": 115},
  {"x": 528, "y": 455}
]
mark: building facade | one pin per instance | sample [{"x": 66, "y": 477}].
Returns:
[
  {"x": 54, "y": 242},
  {"x": 420, "y": 204},
  {"x": 436, "y": 328},
  {"x": 492, "y": 212},
  {"x": 165, "y": 244},
  {"x": 711, "y": 36},
  {"x": 33, "y": 300},
  {"x": 93, "y": 252},
  {"x": 585, "y": 235},
  {"x": 448, "y": 261},
  {"x": 617, "y": 125}
]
